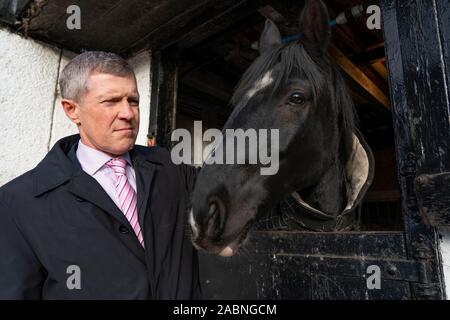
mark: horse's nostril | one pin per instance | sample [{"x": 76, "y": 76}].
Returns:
[
  {"x": 215, "y": 219},
  {"x": 212, "y": 208}
]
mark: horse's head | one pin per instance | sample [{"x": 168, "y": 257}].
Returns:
[{"x": 291, "y": 87}]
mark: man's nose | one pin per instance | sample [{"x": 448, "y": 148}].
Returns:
[{"x": 126, "y": 111}]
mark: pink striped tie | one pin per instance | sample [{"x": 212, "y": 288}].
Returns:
[{"x": 127, "y": 195}]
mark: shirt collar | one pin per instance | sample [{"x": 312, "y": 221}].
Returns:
[{"x": 92, "y": 160}]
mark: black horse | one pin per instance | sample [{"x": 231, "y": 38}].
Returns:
[{"x": 325, "y": 167}]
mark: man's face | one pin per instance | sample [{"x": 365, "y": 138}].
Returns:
[{"x": 108, "y": 113}]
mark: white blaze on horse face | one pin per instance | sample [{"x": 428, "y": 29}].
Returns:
[
  {"x": 193, "y": 224},
  {"x": 263, "y": 82}
]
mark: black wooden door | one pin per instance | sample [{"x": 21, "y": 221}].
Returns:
[
  {"x": 311, "y": 265},
  {"x": 299, "y": 265}
]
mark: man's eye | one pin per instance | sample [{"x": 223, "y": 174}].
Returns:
[
  {"x": 296, "y": 99},
  {"x": 133, "y": 102},
  {"x": 110, "y": 101}
]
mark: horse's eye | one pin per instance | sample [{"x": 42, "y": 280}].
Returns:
[{"x": 296, "y": 99}]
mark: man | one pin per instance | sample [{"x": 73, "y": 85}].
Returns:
[{"x": 99, "y": 218}]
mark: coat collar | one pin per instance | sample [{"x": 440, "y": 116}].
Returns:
[
  {"x": 93, "y": 160},
  {"x": 57, "y": 168}
]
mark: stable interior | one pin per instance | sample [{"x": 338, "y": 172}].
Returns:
[{"x": 209, "y": 71}]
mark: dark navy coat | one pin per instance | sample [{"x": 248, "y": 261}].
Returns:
[{"x": 56, "y": 216}]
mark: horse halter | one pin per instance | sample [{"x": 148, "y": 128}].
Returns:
[{"x": 293, "y": 213}]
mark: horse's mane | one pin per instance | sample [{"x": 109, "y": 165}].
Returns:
[{"x": 293, "y": 57}]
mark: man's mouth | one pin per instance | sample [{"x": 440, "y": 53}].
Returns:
[{"x": 129, "y": 129}]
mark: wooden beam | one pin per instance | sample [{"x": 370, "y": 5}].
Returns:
[
  {"x": 230, "y": 17},
  {"x": 381, "y": 69},
  {"x": 381, "y": 83},
  {"x": 270, "y": 13},
  {"x": 173, "y": 30},
  {"x": 196, "y": 24},
  {"x": 360, "y": 77},
  {"x": 370, "y": 56},
  {"x": 345, "y": 36}
]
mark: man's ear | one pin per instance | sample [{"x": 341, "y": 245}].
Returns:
[
  {"x": 269, "y": 37},
  {"x": 314, "y": 25},
  {"x": 71, "y": 108}
]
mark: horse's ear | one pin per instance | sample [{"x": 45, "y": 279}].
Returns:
[
  {"x": 269, "y": 37},
  {"x": 315, "y": 27}
]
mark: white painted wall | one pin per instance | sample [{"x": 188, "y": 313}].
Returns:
[
  {"x": 31, "y": 116},
  {"x": 444, "y": 244},
  {"x": 60, "y": 126},
  {"x": 141, "y": 64},
  {"x": 28, "y": 73}
]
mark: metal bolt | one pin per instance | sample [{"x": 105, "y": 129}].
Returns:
[{"x": 392, "y": 270}]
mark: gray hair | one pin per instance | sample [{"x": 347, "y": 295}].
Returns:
[{"x": 74, "y": 77}]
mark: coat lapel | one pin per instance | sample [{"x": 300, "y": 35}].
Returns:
[
  {"x": 144, "y": 176},
  {"x": 87, "y": 188},
  {"x": 145, "y": 167}
]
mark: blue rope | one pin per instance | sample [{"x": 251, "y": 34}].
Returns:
[
  {"x": 292, "y": 38},
  {"x": 296, "y": 37}
]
